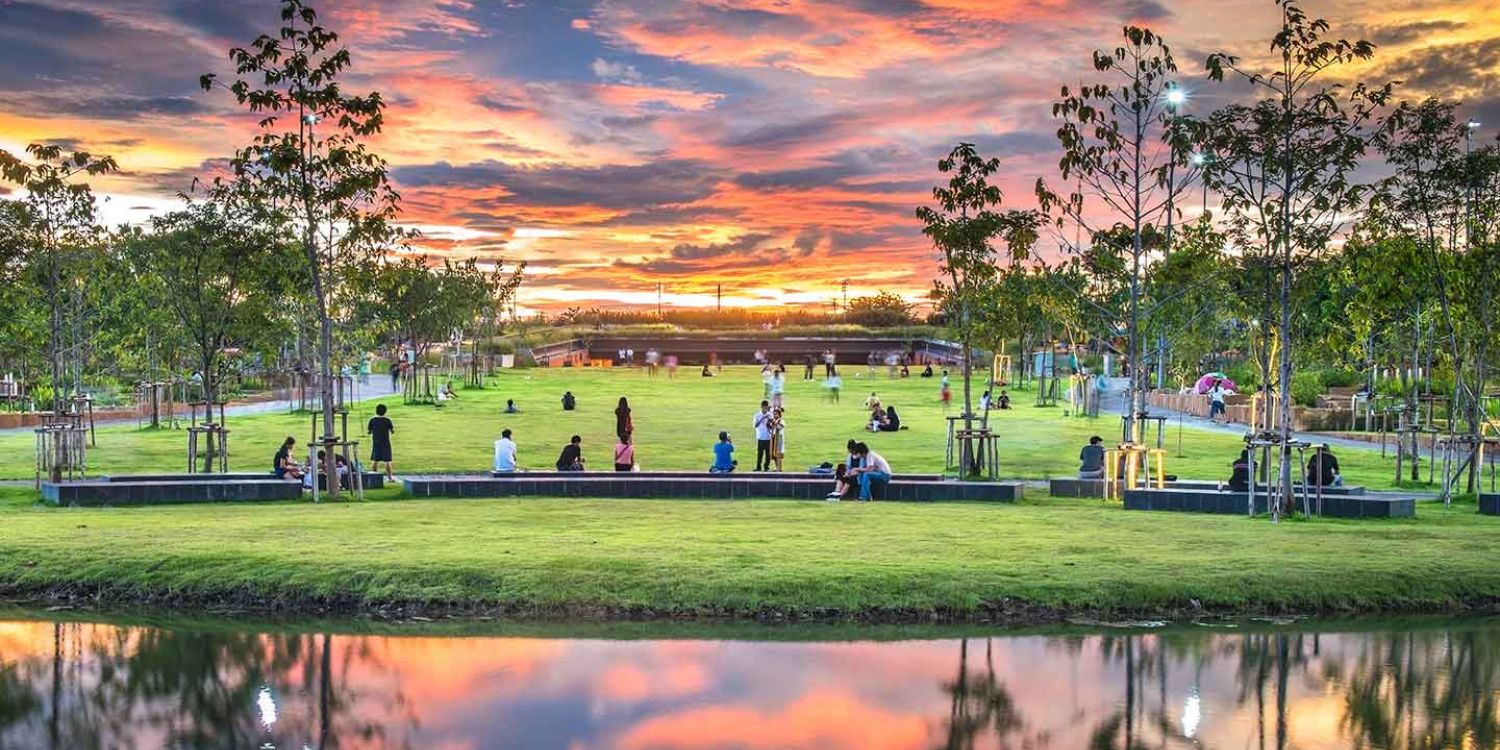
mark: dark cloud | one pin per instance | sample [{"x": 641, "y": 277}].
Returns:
[
  {"x": 737, "y": 246},
  {"x": 1395, "y": 34},
  {"x": 618, "y": 187},
  {"x": 670, "y": 266},
  {"x": 1452, "y": 67}
]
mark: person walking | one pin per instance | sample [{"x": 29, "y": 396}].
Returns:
[
  {"x": 380, "y": 429},
  {"x": 624, "y": 425},
  {"x": 762, "y": 425}
]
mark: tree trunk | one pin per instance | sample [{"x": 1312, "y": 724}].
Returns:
[{"x": 325, "y": 367}]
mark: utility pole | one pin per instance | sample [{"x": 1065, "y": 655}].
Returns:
[
  {"x": 719, "y": 299},
  {"x": 845, "y": 286},
  {"x": 658, "y": 299}
]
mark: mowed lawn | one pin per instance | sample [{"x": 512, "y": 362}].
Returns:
[
  {"x": 739, "y": 558},
  {"x": 676, "y": 421},
  {"x": 745, "y": 558}
]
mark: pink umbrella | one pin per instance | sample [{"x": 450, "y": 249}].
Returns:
[{"x": 1206, "y": 383}]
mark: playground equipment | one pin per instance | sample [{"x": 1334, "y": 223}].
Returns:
[
  {"x": 1127, "y": 464},
  {"x": 208, "y": 440},
  {"x": 1000, "y": 371}
]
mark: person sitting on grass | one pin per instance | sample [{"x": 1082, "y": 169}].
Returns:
[
  {"x": 505, "y": 453},
  {"x": 927, "y": 371},
  {"x": 510, "y": 406},
  {"x": 842, "y": 482},
  {"x": 446, "y": 394},
  {"x": 624, "y": 454},
  {"x": 706, "y": 372},
  {"x": 873, "y": 469},
  {"x": 568, "y": 401},
  {"x": 1239, "y": 473},
  {"x": 1003, "y": 400},
  {"x": 892, "y": 421},
  {"x": 877, "y": 418},
  {"x": 1091, "y": 459},
  {"x": 724, "y": 462},
  {"x": 1323, "y": 469},
  {"x": 284, "y": 466},
  {"x": 571, "y": 458}
]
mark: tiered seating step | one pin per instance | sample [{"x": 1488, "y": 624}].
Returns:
[
  {"x": 1228, "y": 502},
  {"x": 696, "y": 487},
  {"x": 1073, "y": 487},
  {"x": 372, "y": 480},
  {"x": 1489, "y": 504},
  {"x": 124, "y": 491}
]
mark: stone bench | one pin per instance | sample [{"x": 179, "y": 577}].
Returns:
[
  {"x": 1489, "y": 504},
  {"x": 696, "y": 487},
  {"x": 1073, "y": 487},
  {"x": 1237, "y": 503},
  {"x": 122, "y": 491},
  {"x": 372, "y": 480},
  {"x": 705, "y": 475}
]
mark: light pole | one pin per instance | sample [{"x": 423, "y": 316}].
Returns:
[{"x": 1175, "y": 97}]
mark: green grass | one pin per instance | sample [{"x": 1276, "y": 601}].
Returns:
[
  {"x": 746, "y": 558},
  {"x": 736, "y": 559},
  {"x": 677, "y": 421}
]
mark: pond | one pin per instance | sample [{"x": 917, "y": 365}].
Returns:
[{"x": 215, "y": 684}]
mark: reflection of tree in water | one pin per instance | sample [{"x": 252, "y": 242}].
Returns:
[
  {"x": 117, "y": 687},
  {"x": 1423, "y": 689},
  {"x": 982, "y": 707}
]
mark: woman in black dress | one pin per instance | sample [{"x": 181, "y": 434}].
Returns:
[
  {"x": 623, "y": 424},
  {"x": 380, "y": 429}
]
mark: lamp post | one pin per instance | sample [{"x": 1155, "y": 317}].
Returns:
[{"x": 1175, "y": 97}]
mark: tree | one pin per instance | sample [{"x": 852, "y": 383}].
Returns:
[
  {"x": 881, "y": 310},
  {"x": 49, "y": 226},
  {"x": 219, "y": 275},
  {"x": 314, "y": 172},
  {"x": 1121, "y": 144},
  {"x": 1283, "y": 165},
  {"x": 965, "y": 225}
]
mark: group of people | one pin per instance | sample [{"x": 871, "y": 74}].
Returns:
[{"x": 882, "y": 418}]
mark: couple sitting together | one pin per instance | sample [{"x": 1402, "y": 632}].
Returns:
[{"x": 861, "y": 469}]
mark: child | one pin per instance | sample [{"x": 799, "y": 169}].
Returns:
[{"x": 380, "y": 429}]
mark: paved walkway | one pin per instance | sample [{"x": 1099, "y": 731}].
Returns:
[
  {"x": 1114, "y": 403},
  {"x": 378, "y": 387}
]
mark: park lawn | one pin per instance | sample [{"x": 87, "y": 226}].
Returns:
[
  {"x": 610, "y": 558},
  {"x": 676, "y": 422}
]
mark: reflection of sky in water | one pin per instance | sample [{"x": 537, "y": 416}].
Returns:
[{"x": 145, "y": 688}]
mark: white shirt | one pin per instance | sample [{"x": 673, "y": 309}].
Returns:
[
  {"x": 505, "y": 455},
  {"x": 762, "y": 425},
  {"x": 876, "y": 462},
  {"x": 778, "y": 385},
  {"x": 1217, "y": 394}
]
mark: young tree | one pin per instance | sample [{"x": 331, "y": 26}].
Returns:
[
  {"x": 966, "y": 225},
  {"x": 310, "y": 166},
  {"x": 48, "y": 227},
  {"x": 1122, "y": 145},
  {"x": 221, "y": 276},
  {"x": 1283, "y": 165}
]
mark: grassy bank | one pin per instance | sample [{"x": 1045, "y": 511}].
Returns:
[
  {"x": 1040, "y": 559},
  {"x": 676, "y": 423}
]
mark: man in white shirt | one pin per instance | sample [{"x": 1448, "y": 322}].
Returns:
[
  {"x": 762, "y": 424},
  {"x": 873, "y": 468},
  {"x": 505, "y": 453}
]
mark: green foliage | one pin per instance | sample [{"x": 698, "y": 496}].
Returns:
[{"x": 881, "y": 310}]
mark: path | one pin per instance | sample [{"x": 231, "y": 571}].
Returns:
[
  {"x": 379, "y": 386},
  {"x": 1114, "y": 403}
]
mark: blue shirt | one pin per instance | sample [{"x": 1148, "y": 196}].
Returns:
[{"x": 723, "y": 456}]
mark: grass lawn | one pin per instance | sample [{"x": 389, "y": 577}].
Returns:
[
  {"x": 676, "y": 421},
  {"x": 745, "y": 558}
]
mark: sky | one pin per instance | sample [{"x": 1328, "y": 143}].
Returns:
[{"x": 771, "y": 148}]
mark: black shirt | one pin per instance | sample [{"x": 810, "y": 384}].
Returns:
[{"x": 571, "y": 454}]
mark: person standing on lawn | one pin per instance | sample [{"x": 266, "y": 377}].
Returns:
[
  {"x": 762, "y": 425},
  {"x": 624, "y": 425},
  {"x": 380, "y": 429}
]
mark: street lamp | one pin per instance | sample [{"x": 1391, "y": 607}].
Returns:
[
  {"x": 1175, "y": 98},
  {"x": 1469, "y": 128}
]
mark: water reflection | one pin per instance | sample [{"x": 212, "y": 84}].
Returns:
[{"x": 68, "y": 685}]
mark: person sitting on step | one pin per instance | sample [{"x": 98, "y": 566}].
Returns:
[{"x": 1091, "y": 459}]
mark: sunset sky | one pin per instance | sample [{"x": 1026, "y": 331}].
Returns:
[{"x": 776, "y": 147}]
